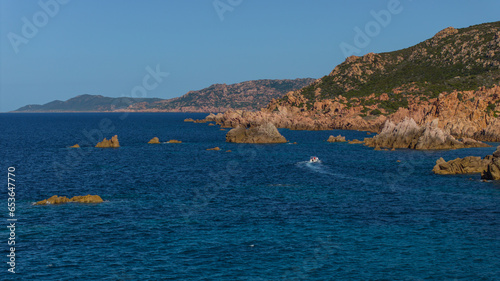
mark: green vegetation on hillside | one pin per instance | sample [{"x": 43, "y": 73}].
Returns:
[{"x": 465, "y": 60}]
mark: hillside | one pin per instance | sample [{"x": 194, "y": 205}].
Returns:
[
  {"x": 454, "y": 59},
  {"x": 452, "y": 77},
  {"x": 85, "y": 103},
  {"x": 250, "y": 95}
]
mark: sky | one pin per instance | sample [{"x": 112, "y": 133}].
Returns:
[{"x": 58, "y": 49}]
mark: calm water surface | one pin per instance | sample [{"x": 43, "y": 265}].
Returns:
[{"x": 260, "y": 212}]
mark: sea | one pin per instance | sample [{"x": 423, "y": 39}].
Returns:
[{"x": 245, "y": 212}]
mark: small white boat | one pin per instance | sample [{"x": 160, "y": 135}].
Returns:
[{"x": 314, "y": 159}]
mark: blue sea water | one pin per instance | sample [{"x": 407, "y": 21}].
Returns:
[{"x": 260, "y": 212}]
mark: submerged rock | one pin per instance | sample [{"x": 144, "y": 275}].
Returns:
[
  {"x": 174, "y": 141},
  {"x": 189, "y": 120},
  {"x": 112, "y": 143},
  {"x": 338, "y": 138},
  {"x": 75, "y": 146},
  {"x": 154, "y": 140},
  {"x": 215, "y": 148},
  {"x": 54, "y": 200},
  {"x": 266, "y": 133},
  {"x": 407, "y": 134}
]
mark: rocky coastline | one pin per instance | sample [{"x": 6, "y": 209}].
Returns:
[
  {"x": 407, "y": 134},
  {"x": 462, "y": 114}
]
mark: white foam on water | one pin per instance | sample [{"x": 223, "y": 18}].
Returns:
[{"x": 320, "y": 168}]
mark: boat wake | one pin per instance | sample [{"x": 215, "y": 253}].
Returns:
[
  {"x": 316, "y": 167},
  {"x": 320, "y": 168}
]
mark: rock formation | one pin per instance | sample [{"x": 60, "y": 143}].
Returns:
[
  {"x": 265, "y": 133},
  {"x": 215, "y": 148},
  {"x": 407, "y": 134},
  {"x": 154, "y": 140},
  {"x": 492, "y": 171},
  {"x": 77, "y": 199},
  {"x": 338, "y": 138},
  {"x": 75, "y": 146},
  {"x": 489, "y": 166},
  {"x": 189, "y": 120},
  {"x": 174, "y": 141},
  {"x": 87, "y": 199},
  {"x": 467, "y": 165},
  {"x": 112, "y": 143},
  {"x": 356, "y": 141},
  {"x": 490, "y": 133}
]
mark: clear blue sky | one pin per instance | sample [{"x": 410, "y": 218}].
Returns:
[{"x": 104, "y": 47}]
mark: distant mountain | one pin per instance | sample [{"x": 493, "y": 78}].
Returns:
[
  {"x": 250, "y": 95},
  {"x": 86, "y": 103}
]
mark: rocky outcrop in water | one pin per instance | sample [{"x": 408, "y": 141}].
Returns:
[
  {"x": 356, "y": 141},
  {"x": 338, "y": 138},
  {"x": 467, "y": 165},
  {"x": 54, "y": 200},
  {"x": 111, "y": 143},
  {"x": 174, "y": 141},
  {"x": 489, "y": 166},
  {"x": 215, "y": 148},
  {"x": 407, "y": 134},
  {"x": 492, "y": 171},
  {"x": 266, "y": 133},
  {"x": 154, "y": 140},
  {"x": 75, "y": 146}
]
